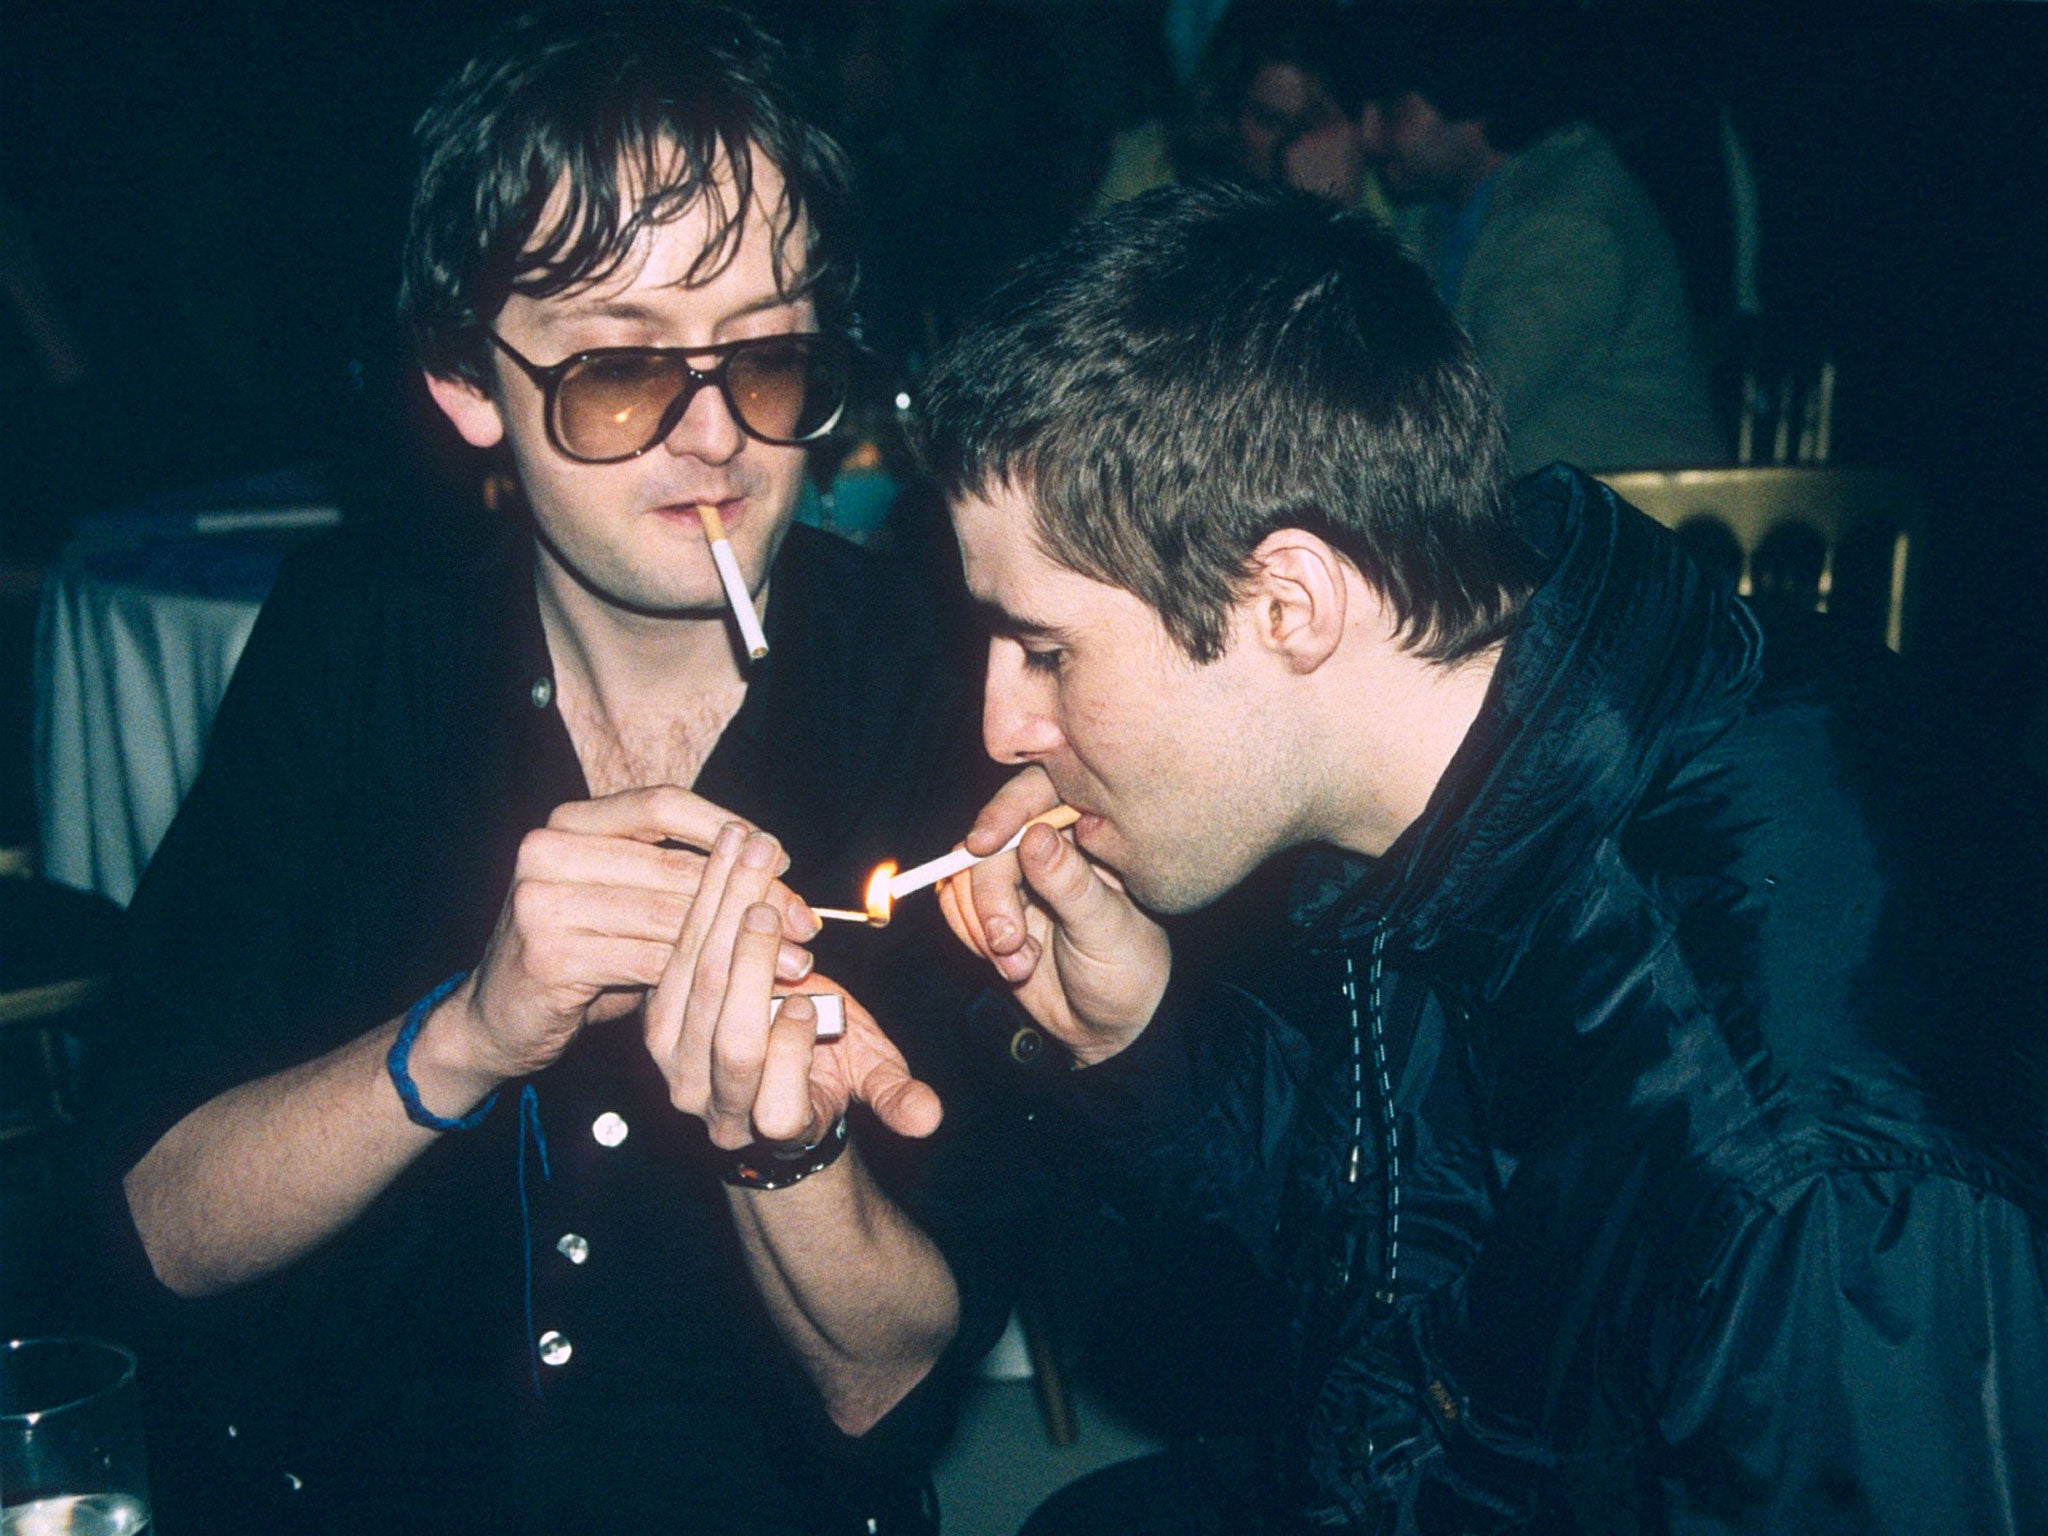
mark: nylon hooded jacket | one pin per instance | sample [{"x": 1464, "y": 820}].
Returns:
[{"x": 1652, "y": 1139}]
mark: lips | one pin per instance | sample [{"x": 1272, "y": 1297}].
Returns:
[{"x": 730, "y": 508}]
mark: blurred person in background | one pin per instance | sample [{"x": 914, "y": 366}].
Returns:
[
  {"x": 1277, "y": 82},
  {"x": 1546, "y": 248},
  {"x": 464, "y": 1183}
]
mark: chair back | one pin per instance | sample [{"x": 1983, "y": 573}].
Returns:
[{"x": 1819, "y": 537}]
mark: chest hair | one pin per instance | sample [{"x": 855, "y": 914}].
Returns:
[{"x": 670, "y": 747}]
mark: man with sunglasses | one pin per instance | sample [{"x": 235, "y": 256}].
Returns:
[{"x": 467, "y": 1179}]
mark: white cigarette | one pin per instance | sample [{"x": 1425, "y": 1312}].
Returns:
[
  {"x": 831, "y": 1012},
  {"x": 735, "y": 584},
  {"x": 932, "y": 872}
]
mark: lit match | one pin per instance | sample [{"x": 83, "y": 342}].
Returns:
[
  {"x": 876, "y": 913},
  {"x": 734, "y": 583},
  {"x": 886, "y": 887}
]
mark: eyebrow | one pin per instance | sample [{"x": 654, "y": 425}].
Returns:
[
  {"x": 633, "y": 309},
  {"x": 1003, "y": 622}
]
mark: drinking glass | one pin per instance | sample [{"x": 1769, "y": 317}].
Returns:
[{"x": 70, "y": 1440}]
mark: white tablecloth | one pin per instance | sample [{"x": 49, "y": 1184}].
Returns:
[{"x": 129, "y": 672}]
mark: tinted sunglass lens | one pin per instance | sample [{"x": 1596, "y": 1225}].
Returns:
[
  {"x": 786, "y": 391},
  {"x": 611, "y": 406}
]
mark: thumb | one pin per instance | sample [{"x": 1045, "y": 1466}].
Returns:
[{"x": 902, "y": 1103}]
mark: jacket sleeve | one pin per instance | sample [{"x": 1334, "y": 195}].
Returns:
[
  {"x": 1868, "y": 1357},
  {"x": 1194, "y": 1120}
]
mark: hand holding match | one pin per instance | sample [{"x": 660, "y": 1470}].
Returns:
[
  {"x": 886, "y": 886},
  {"x": 735, "y": 584}
]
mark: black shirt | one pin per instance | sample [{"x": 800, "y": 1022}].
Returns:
[{"x": 389, "y": 737}]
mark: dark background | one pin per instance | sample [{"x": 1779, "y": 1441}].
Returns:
[{"x": 216, "y": 195}]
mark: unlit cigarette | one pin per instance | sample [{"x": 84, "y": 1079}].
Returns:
[
  {"x": 951, "y": 864},
  {"x": 735, "y": 584},
  {"x": 831, "y": 1011}
]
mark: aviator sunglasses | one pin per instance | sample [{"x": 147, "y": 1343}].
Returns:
[{"x": 615, "y": 403}]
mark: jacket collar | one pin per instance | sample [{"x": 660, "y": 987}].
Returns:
[{"x": 1627, "y": 659}]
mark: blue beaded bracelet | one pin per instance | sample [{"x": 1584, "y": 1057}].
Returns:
[{"x": 398, "y": 1059}]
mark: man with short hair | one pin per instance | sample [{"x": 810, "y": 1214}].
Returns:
[
  {"x": 478, "y": 1189},
  {"x": 1645, "y": 1127}
]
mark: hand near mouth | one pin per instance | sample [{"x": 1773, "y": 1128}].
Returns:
[{"x": 1080, "y": 956}]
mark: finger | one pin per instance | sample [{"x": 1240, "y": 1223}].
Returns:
[
  {"x": 783, "y": 1109},
  {"x": 998, "y": 895},
  {"x": 550, "y": 853},
  {"x": 662, "y": 813},
  {"x": 739, "y": 1046},
  {"x": 956, "y": 905},
  {"x": 716, "y": 1035},
  {"x": 1093, "y": 915},
  {"x": 689, "y": 1077},
  {"x": 622, "y": 830},
  {"x": 547, "y": 911},
  {"x": 1027, "y": 795}
]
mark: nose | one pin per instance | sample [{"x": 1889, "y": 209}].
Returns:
[
  {"x": 1017, "y": 720},
  {"x": 706, "y": 430}
]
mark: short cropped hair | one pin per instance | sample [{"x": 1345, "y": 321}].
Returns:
[
  {"x": 1200, "y": 367},
  {"x": 580, "y": 125}
]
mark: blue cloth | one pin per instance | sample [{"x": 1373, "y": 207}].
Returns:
[{"x": 1461, "y": 226}]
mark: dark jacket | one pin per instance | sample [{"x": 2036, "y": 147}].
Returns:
[{"x": 1688, "y": 1054}]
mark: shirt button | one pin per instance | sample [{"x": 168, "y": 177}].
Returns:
[
  {"x": 609, "y": 1129},
  {"x": 543, "y": 692},
  {"x": 554, "y": 1349},
  {"x": 1025, "y": 1045},
  {"x": 572, "y": 1247}
]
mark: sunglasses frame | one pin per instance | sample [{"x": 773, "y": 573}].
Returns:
[{"x": 548, "y": 379}]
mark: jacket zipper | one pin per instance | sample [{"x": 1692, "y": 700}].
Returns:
[{"x": 1369, "y": 1060}]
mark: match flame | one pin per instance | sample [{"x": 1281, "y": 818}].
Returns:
[{"x": 878, "y": 901}]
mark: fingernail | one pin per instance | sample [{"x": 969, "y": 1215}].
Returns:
[
  {"x": 759, "y": 852},
  {"x": 793, "y": 964},
  {"x": 728, "y": 838},
  {"x": 1000, "y": 931},
  {"x": 808, "y": 923},
  {"x": 761, "y": 918}
]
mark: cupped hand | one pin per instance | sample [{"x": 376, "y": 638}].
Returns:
[
  {"x": 590, "y": 924},
  {"x": 1081, "y": 957},
  {"x": 707, "y": 1022}
]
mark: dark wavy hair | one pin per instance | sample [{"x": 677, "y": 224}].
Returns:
[
  {"x": 1202, "y": 366},
  {"x": 578, "y": 126}
]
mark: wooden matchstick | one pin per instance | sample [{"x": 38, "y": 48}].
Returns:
[
  {"x": 840, "y": 915},
  {"x": 735, "y": 584}
]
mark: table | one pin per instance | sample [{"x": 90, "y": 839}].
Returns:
[{"x": 142, "y": 619}]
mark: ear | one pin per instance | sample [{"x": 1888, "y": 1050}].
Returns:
[
  {"x": 1298, "y": 598},
  {"x": 474, "y": 413}
]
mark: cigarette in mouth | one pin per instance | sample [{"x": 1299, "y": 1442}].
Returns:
[
  {"x": 951, "y": 864},
  {"x": 734, "y": 583},
  {"x": 831, "y": 1012}
]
